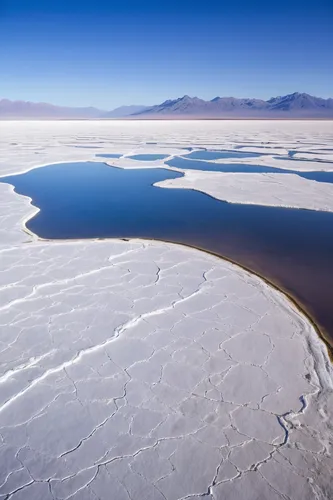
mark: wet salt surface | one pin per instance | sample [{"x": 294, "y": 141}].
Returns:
[{"x": 291, "y": 247}]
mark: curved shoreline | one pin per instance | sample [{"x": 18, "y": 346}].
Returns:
[
  {"x": 182, "y": 171},
  {"x": 322, "y": 334},
  {"x": 266, "y": 367},
  {"x": 188, "y": 173},
  {"x": 300, "y": 308},
  {"x": 214, "y": 365}
]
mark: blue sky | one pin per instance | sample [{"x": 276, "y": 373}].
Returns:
[{"x": 109, "y": 53}]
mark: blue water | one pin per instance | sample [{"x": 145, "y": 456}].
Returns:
[
  {"x": 148, "y": 157},
  {"x": 193, "y": 164},
  {"x": 109, "y": 155},
  {"x": 317, "y": 176},
  {"x": 182, "y": 163},
  {"x": 292, "y": 158},
  {"x": 179, "y": 162},
  {"x": 217, "y": 155},
  {"x": 293, "y": 248}
]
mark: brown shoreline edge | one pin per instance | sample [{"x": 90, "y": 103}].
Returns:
[
  {"x": 321, "y": 332},
  {"x": 302, "y": 309}
]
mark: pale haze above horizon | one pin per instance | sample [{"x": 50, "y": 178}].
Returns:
[{"x": 107, "y": 54}]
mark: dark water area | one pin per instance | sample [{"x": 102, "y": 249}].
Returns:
[
  {"x": 218, "y": 155},
  {"x": 292, "y": 248},
  {"x": 184, "y": 164}
]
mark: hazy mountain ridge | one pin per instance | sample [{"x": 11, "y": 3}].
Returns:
[
  {"x": 299, "y": 101},
  {"x": 296, "y": 105},
  {"x": 125, "y": 111},
  {"x": 292, "y": 105},
  {"x": 26, "y": 109}
]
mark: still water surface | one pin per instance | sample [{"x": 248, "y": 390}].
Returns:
[
  {"x": 184, "y": 164},
  {"x": 218, "y": 155},
  {"x": 293, "y": 248}
]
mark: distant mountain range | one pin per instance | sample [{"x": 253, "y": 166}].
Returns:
[
  {"x": 124, "y": 111},
  {"x": 290, "y": 106},
  {"x": 41, "y": 110},
  {"x": 283, "y": 107}
]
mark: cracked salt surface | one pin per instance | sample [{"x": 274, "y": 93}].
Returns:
[
  {"x": 269, "y": 189},
  {"x": 123, "y": 370},
  {"x": 144, "y": 370}
]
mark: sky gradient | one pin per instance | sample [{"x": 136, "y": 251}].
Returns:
[{"x": 110, "y": 53}]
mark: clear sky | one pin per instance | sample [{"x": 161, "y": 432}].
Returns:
[{"x": 114, "y": 52}]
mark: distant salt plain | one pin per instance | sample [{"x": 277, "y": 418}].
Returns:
[{"x": 146, "y": 369}]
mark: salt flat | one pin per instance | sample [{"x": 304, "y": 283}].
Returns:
[
  {"x": 146, "y": 369},
  {"x": 23, "y": 147},
  {"x": 301, "y": 162},
  {"x": 258, "y": 189}
]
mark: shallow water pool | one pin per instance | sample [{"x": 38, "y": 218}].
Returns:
[{"x": 291, "y": 247}]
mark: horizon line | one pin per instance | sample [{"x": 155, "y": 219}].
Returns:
[{"x": 162, "y": 102}]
